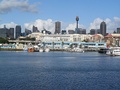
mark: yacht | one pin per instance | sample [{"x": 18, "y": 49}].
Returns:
[{"x": 115, "y": 51}]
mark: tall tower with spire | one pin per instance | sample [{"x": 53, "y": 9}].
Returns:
[
  {"x": 77, "y": 19},
  {"x": 76, "y": 29}
]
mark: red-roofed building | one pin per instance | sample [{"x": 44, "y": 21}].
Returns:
[
  {"x": 112, "y": 39},
  {"x": 98, "y": 38}
]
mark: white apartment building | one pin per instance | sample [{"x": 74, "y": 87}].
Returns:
[{"x": 61, "y": 37}]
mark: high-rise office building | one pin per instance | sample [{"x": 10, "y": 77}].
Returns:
[
  {"x": 35, "y": 29},
  {"x": 27, "y": 32},
  {"x": 94, "y": 31},
  {"x": 57, "y": 27},
  {"x": 10, "y": 33},
  {"x": 71, "y": 31},
  {"x": 3, "y": 32},
  {"x": 83, "y": 31},
  {"x": 44, "y": 31},
  {"x": 98, "y": 31},
  {"x": 63, "y": 32},
  {"x": 118, "y": 30},
  {"x": 80, "y": 31},
  {"x": 103, "y": 28},
  {"x": 18, "y": 31}
]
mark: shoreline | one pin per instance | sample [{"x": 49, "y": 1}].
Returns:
[
  {"x": 14, "y": 49},
  {"x": 10, "y": 49}
]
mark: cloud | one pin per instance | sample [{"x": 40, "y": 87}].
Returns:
[
  {"x": 8, "y": 25},
  {"x": 112, "y": 24},
  {"x": 49, "y": 24},
  {"x": 23, "y": 5},
  {"x": 95, "y": 24},
  {"x": 40, "y": 24}
]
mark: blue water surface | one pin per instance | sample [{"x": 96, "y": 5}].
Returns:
[{"x": 58, "y": 71}]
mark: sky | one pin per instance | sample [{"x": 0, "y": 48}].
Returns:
[{"x": 44, "y": 14}]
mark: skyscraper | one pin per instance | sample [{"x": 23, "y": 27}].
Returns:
[
  {"x": 118, "y": 30},
  {"x": 57, "y": 27},
  {"x": 27, "y": 32},
  {"x": 63, "y": 32},
  {"x": 11, "y": 33},
  {"x": 71, "y": 31},
  {"x": 3, "y": 32},
  {"x": 94, "y": 31},
  {"x": 18, "y": 31},
  {"x": 103, "y": 28},
  {"x": 35, "y": 29}
]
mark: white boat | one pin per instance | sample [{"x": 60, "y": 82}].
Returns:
[
  {"x": 25, "y": 48},
  {"x": 77, "y": 50},
  {"x": 36, "y": 48},
  {"x": 41, "y": 50},
  {"x": 114, "y": 51},
  {"x": 47, "y": 50}
]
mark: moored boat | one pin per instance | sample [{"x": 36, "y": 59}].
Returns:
[
  {"x": 41, "y": 50},
  {"x": 25, "y": 48},
  {"x": 115, "y": 51},
  {"x": 103, "y": 50},
  {"x": 30, "y": 49},
  {"x": 47, "y": 50},
  {"x": 76, "y": 49},
  {"x": 36, "y": 48}
]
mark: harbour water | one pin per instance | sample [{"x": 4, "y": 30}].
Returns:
[{"x": 58, "y": 71}]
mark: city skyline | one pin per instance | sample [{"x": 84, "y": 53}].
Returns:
[{"x": 44, "y": 13}]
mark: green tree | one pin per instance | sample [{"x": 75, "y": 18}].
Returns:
[{"x": 3, "y": 40}]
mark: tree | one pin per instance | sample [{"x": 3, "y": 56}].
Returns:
[
  {"x": 2, "y": 40},
  {"x": 85, "y": 40}
]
